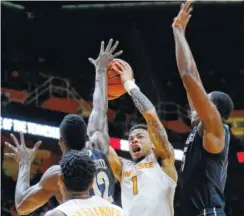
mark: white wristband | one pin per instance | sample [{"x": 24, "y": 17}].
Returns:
[{"x": 129, "y": 85}]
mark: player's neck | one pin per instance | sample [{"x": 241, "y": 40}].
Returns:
[
  {"x": 76, "y": 195},
  {"x": 137, "y": 160}
]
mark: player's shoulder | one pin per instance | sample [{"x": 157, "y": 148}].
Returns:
[
  {"x": 54, "y": 212},
  {"x": 100, "y": 200},
  {"x": 119, "y": 209},
  {"x": 53, "y": 171},
  {"x": 50, "y": 177},
  {"x": 126, "y": 162}
]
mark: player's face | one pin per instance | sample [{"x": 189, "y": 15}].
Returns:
[{"x": 139, "y": 143}]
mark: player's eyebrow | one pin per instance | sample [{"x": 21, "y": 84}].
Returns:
[
  {"x": 140, "y": 133},
  {"x": 136, "y": 134}
]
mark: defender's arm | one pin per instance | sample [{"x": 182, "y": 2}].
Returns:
[
  {"x": 98, "y": 124},
  {"x": 208, "y": 113},
  {"x": 28, "y": 199}
]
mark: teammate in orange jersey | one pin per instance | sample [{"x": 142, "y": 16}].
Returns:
[
  {"x": 204, "y": 166},
  {"x": 73, "y": 136},
  {"x": 76, "y": 179}
]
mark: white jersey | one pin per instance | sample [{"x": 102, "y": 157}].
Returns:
[
  {"x": 146, "y": 190},
  {"x": 95, "y": 206}
]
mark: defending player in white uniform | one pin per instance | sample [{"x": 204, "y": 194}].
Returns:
[
  {"x": 77, "y": 174},
  {"x": 148, "y": 182}
]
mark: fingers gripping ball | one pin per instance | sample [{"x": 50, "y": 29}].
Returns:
[{"x": 115, "y": 86}]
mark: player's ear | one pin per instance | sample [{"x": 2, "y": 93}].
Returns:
[{"x": 91, "y": 184}]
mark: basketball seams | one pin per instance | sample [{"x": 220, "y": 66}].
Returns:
[
  {"x": 114, "y": 84},
  {"x": 113, "y": 77}
]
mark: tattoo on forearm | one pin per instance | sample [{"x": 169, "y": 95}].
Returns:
[
  {"x": 141, "y": 101},
  {"x": 159, "y": 137},
  {"x": 156, "y": 130}
]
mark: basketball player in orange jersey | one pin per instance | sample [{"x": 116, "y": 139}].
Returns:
[
  {"x": 73, "y": 136},
  {"x": 204, "y": 165},
  {"x": 147, "y": 186},
  {"x": 75, "y": 181}
]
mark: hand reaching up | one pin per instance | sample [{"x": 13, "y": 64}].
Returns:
[
  {"x": 106, "y": 56},
  {"x": 180, "y": 22},
  {"x": 20, "y": 153}
]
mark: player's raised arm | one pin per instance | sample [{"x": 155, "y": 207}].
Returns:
[
  {"x": 185, "y": 16},
  {"x": 157, "y": 132},
  {"x": 98, "y": 124},
  {"x": 28, "y": 199},
  {"x": 214, "y": 133}
]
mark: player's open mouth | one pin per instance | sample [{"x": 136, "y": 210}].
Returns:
[{"x": 136, "y": 149}]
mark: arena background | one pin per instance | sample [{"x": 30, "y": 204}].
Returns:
[{"x": 46, "y": 74}]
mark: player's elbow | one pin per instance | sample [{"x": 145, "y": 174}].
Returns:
[
  {"x": 213, "y": 124},
  {"x": 214, "y": 148},
  {"x": 22, "y": 210}
]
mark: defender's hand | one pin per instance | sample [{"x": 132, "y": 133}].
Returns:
[
  {"x": 124, "y": 69},
  {"x": 106, "y": 57},
  {"x": 21, "y": 153},
  {"x": 181, "y": 21}
]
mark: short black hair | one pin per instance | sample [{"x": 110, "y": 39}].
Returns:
[
  {"x": 138, "y": 126},
  {"x": 73, "y": 130},
  {"x": 223, "y": 102},
  {"x": 77, "y": 170}
]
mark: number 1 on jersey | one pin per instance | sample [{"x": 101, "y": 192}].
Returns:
[{"x": 135, "y": 186}]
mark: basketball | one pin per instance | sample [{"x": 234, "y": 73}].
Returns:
[{"x": 115, "y": 86}]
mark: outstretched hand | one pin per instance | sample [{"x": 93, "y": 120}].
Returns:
[
  {"x": 106, "y": 56},
  {"x": 20, "y": 153},
  {"x": 180, "y": 22}
]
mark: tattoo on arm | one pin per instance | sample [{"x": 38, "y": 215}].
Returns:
[
  {"x": 159, "y": 138},
  {"x": 141, "y": 101},
  {"x": 156, "y": 130}
]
